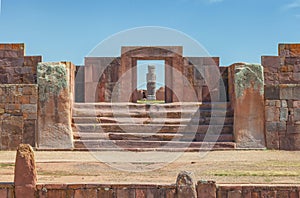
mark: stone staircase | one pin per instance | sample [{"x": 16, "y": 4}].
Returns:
[{"x": 152, "y": 127}]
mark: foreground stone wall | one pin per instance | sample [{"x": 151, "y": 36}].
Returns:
[
  {"x": 282, "y": 98},
  {"x": 143, "y": 190}
]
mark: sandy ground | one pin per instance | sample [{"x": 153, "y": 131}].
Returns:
[{"x": 118, "y": 167}]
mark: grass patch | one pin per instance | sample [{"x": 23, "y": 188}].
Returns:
[
  {"x": 150, "y": 101},
  {"x": 256, "y": 174},
  {"x": 6, "y": 165}
]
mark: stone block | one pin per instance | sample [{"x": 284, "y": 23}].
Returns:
[
  {"x": 281, "y": 126},
  {"x": 25, "y": 172},
  {"x": 297, "y": 68},
  {"x": 105, "y": 192},
  {"x": 297, "y": 92},
  {"x": 272, "y": 92},
  {"x": 296, "y": 77},
  {"x": 290, "y": 141},
  {"x": 3, "y": 78},
  {"x": 271, "y": 127},
  {"x": 234, "y": 194},
  {"x": 29, "y": 108},
  {"x": 54, "y": 108},
  {"x": 284, "y": 112},
  {"x": 249, "y": 105},
  {"x": 84, "y": 193},
  {"x": 12, "y": 125},
  {"x": 272, "y": 113},
  {"x": 272, "y": 140},
  {"x": 3, "y": 193},
  {"x": 29, "y": 132},
  {"x": 296, "y": 104},
  {"x": 286, "y": 78},
  {"x": 286, "y": 92},
  {"x": 286, "y": 68},
  {"x": 297, "y": 114},
  {"x": 185, "y": 185},
  {"x": 125, "y": 192},
  {"x": 206, "y": 189},
  {"x": 289, "y": 50},
  {"x": 284, "y": 104},
  {"x": 293, "y": 129}
]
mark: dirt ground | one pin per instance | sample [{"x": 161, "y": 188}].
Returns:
[{"x": 221, "y": 166}]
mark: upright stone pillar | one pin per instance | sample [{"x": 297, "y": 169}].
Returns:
[
  {"x": 151, "y": 82},
  {"x": 55, "y": 81},
  {"x": 25, "y": 172},
  {"x": 248, "y": 103},
  {"x": 185, "y": 186},
  {"x": 206, "y": 189}
]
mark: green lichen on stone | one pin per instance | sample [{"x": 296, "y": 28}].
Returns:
[
  {"x": 51, "y": 78},
  {"x": 247, "y": 76}
]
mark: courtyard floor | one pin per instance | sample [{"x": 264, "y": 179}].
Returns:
[{"x": 265, "y": 166}]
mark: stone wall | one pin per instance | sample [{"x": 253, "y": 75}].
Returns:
[
  {"x": 259, "y": 191},
  {"x": 101, "y": 75},
  {"x": 15, "y": 68},
  {"x": 210, "y": 190},
  {"x": 282, "y": 98},
  {"x": 18, "y": 96},
  {"x": 18, "y": 115}
]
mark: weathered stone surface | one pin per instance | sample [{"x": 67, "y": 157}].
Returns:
[
  {"x": 160, "y": 93},
  {"x": 16, "y": 114},
  {"x": 25, "y": 172},
  {"x": 206, "y": 189},
  {"x": 272, "y": 92},
  {"x": 297, "y": 114},
  {"x": 284, "y": 112},
  {"x": 289, "y": 50},
  {"x": 290, "y": 141},
  {"x": 249, "y": 106},
  {"x": 185, "y": 186},
  {"x": 54, "y": 109}
]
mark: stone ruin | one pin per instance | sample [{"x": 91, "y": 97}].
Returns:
[{"x": 62, "y": 106}]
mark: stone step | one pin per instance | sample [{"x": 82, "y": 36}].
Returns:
[
  {"x": 148, "y": 114},
  {"x": 124, "y": 105},
  {"x": 178, "y": 105},
  {"x": 151, "y": 128},
  {"x": 201, "y": 120},
  {"x": 214, "y": 138},
  {"x": 127, "y": 136},
  {"x": 153, "y": 137},
  {"x": 149, "y": 145}
]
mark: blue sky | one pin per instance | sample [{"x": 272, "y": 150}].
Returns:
[{"x": 235, "y": 30}]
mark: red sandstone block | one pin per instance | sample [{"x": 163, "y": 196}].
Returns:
[
  {"x": 125, "y": 193},
  {"x": 12, "y": 46},
  {"x": 11, "y": 53},
  {"x": 105, "y": 192},
  {"x": 32, "y": 60},
  {"x": 140, "y": 193},
  {"x": 85, "y": 193},
  {"x": 294, "y": 194},
  {"x": 283, "y": 194},
  {"x": 3, "y": 193},
  {"x": 289, "y": 50}
]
